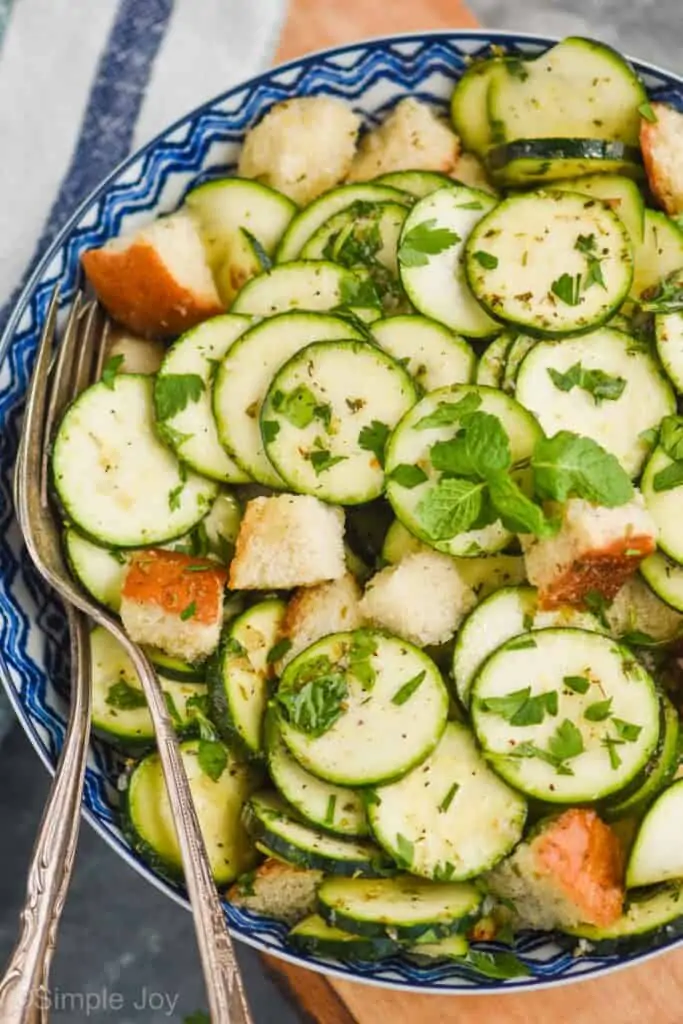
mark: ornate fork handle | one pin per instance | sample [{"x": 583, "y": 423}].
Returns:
[{"x": 53, "y": 853}]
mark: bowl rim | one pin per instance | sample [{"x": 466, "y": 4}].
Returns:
[{"x": 375, "y": 42}]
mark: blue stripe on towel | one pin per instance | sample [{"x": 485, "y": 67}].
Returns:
[{"x": 111, "y": 114}]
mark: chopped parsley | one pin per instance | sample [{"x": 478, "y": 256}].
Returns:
[
  {"x": 424, "y": 240},
  {"x": 405, "y": 692},
  {"x": 597, "y": 383},
  {"x": 173, "y": 391},
  {"x": 449, "y": 797},
  {"x": 373, "y": 438},
  {"x": 124, "y": 697},
  {"x": 189, "y": 612},
  {"x": 111, "y": 369},
  {"x": 567, "y": 288},
  {"x": 486, "y": 260}
]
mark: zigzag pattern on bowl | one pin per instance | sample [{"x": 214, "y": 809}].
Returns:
[{"x": 33, "y": 638}]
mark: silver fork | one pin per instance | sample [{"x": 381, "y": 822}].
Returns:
[{"x": 53, "y": 854}]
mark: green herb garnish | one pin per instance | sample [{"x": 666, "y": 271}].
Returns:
[
  {"x": 424, "y": 240},
  {"x": 173, "y": 391},
  {"x": 405, "y": 692}
]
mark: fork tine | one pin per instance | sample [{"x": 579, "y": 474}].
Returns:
[{"x": 88, "y": 367}]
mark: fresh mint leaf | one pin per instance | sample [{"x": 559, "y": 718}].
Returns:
[
  {"x": 448, "y": 413},
  {"x": 566, "y": 742},
  {"x": 212, "y": 757},
  {"x": 405, "y": 692},
  {"x": 596, "y": 382},
  {"x": 373, "y": 438},
  {"x": 568, "y": 289},
  {"x": 173, "y": 391},
  {"x": 496, "y": 965},
  {"x": 407, "y": 476},
  {"x": 568, "y": 465},
  {"x": 424, "y": 240},
  {"x": 645, "y": 110},
  {"x": 278, "y": 650},
  {"x": 111, "y": 369},
  {"x": 518, "y": 513},
  {"x": 578, "y": 684},
  {"x": 450, "y": 508},
  {"x": 599, "y": 711},
  {"x": 449, "y": 797},
  {"x": 124, "y": 697},
  {"x": 479, "y": 449},
  {"x": 314, "y": 698},
  {"x": 486, "y": 260}
]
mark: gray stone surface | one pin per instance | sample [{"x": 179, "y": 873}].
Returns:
[{"x": 120, "y": 937}]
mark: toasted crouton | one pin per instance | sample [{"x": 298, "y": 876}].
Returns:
[
  {"x": 140, "y": 355},
  {"x": 597, "y": 549},
  {"x": 661, "y": 141},
  {"x": 470, "y": 171},
  {"x": 637, "y": 609},
  {"x": 570, "y": 873},
  {"x": 156, "y": 281},
  {"x": 315, "y": 612},
  {"x": 411, "y": 138},
  {"x": 302, "y": 147},
  {"x": 174, "y": 602},
  {"x": 288, "y": 541},
  {"x": 422, "y": 599},
  {"x": 277, "y": 890}
]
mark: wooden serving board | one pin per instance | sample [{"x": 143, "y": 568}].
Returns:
[{"x": 649, "y": 994}]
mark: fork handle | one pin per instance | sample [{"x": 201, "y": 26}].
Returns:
[{"x": 22, "y": 996}]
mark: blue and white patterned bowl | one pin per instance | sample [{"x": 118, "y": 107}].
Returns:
[{"x": 372, "y": 76}]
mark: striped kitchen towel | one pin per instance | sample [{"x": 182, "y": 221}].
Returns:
[{"x": 83, "y": 82}]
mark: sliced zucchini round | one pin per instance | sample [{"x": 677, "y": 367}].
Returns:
[
  {"x": 411, "y": 443},
  {"x": 451, "y": 818},
  {"x": 99, "y": 570},
  {"x": 272, "y": 822},
  {"x": 469, "y": 108},
  {"x": 114, "y": 478},
  {"x": 313, "y": 935},
  {"x": 182, "y": 397},
  {"x": 219, "y": 528},
  {"x": 431, "y": 353},
  {"x": 239, "y": 679},
  {"x": 542, "y": 161},
  {"x": 664, "y": 505},
  {"x": 327, "y": 415},
  {"x": 491, "y": 367},
  {"x": 430, "y": 258},
  {"x": 639, "y": 617},
  {"x": 516, "y": 354},
  {"x": 565, "y": 715},
  {"x": 657, "y": 774},
  {"x": 219, "y": 785},
  {"x": 245, "y": 375},
  {"x": 174, "y": 668},
  {"x": 580, "y": 86},
  {"x": 665, "y": 578},
  {"x": 119, "y": 708},
  {"x": 621, "y": 193},
  {"x": 361, "y": 235},
  {"x": 416, "y": 183},
  {"x": 313, "y": 285},
  {"x": 361, "y": 708},
  {"x": 651, "y": 918},
  {"x": 669, "y": 342},
  {"x": 307, "y": 221},
  {"x": 453, "y": 947},
  {"x": 403, "y": 908},
  {"x": 509, "y": 612},
  {"x": 552, "y": 262},
  {"x": 562, "y": 384},
  {"x": 657, "y": 853},
  {"x": 660, "y": 254}
]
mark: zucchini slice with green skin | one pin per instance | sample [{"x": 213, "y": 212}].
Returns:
[
  {"x": 669, "y": 342},
  {"x": 451, "y": 818},
  {"x": 244, "y": 258},
  {"x": 469, "y": 113},
  {"x": 528, "y": 163},
  {"x": 333, "y": 808},
  {"x": 657, "y": 853},
  {"x": 174, "y": 668},
  {"x": 313, "y": 285},
  {"x": 119, "y": 708},
  {"x": 665, "y": 578},
  {"x": 308, "y": 220},
  {"x": 508, "y": 612},
  {"x": 370, "y": 735},
  {"x": 403, "y": 908},
  {"x": 313, "y": 935},
  {"x": 619, "y": 192},
  {"x": 643, "y": 394},
  {"x": 580, "y": 86},
  {"x": 410, "y": 445},
  {"x": 651, "y": 918},
  {"x": 516, "y": 354},
  {"x": 552, "y": 262},
  {"x": 182, "y": 397},
  {"x": 416, "y": 183},
  {"x": 327, "y": 415},
  {"x": 491, "y": 366},
  {"x": 453, "y": 947},
  {"x": 272, "y": 823},
  {"x": 552, "y": 736},
  {"x": 359, "y": 235},
  {"x": 665, "y": 508},
  {"x": 657, "y": 774},
  {"x": 432, "y": 275},
  {"x": 431, "y": 353},
  {"x": 114, "y": 478},
  {"x": 239, "y": 679},
  {"x": 148, "y": 821},
  {"x": 399, "y": 542},
  {"x": 660, "y": 254},
  {"x": 245, "y": 374},
  {"x": 99, "y": 570}
]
